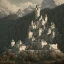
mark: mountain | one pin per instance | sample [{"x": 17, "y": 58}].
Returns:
[
  {"x": 24, "y": 12},
  {"x": 17, "y": 29},
  {"x": 20, "y": 13},
  {"x": 48, "y": 4},
  {"x": 3, "y": 12}
]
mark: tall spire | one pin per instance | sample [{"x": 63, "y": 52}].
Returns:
[{"x": 37, "y": 12}]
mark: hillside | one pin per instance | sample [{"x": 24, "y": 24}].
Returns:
[{"x": 18, "y": 28}]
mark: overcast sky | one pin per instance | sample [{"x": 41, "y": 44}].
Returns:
[
  {"x": 34, "y": 1},
  {"x": 23, "y": 1},
  {"x": 14, "y": 5}
]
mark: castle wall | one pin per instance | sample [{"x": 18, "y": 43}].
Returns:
[{"x": 54, "y": 46}]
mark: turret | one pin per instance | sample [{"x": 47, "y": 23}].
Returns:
[
  {"x": 12, "y": 43},
  {"x": 52, "y": 25},
  {"x": 37, "y": 12},
  {"x": 32, "y": 23},
  {"x": 19, "y": 43},
  {"x": 40, "y": 18},
  {"x": 46, "y": 18},
  {"x": 30, "y": 34},
  {"x": 40, "y": 31}
]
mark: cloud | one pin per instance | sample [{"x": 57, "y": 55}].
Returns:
[
  {"x": 26, "y": 5},
  {"x": 23, "y": 1},
  {"x": 35, "y": 1},
  {"x": 59, "y": 2},
  {"x": 6, "y": 4}
]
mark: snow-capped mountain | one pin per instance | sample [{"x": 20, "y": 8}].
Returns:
[
  {"x": 3, "y": 12},
  {"x": 48, "y": 4},
  {"x": 21, "y": 13}
]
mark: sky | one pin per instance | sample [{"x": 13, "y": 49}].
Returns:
[
  {"x": 33, "y": 1},
  {"x": 23, "y": 1},
  {"x": 14, "y": 5}
]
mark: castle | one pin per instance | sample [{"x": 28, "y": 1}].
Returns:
[{"x": 39, "y": 34}]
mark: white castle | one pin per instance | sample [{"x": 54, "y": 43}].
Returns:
[{"x": 39, "y": 34}]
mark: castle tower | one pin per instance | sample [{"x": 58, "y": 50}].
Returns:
[
  {"x": 32, "y": 23},
  {"x": 40, "y": 31},
  {"x": 19, "y": 43},
  {"x": 46, "y": 18},
  {"x": 12, "y": 43},
  {"x": 37, "y": 12},
  {"x": 30, "y": 34}
]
